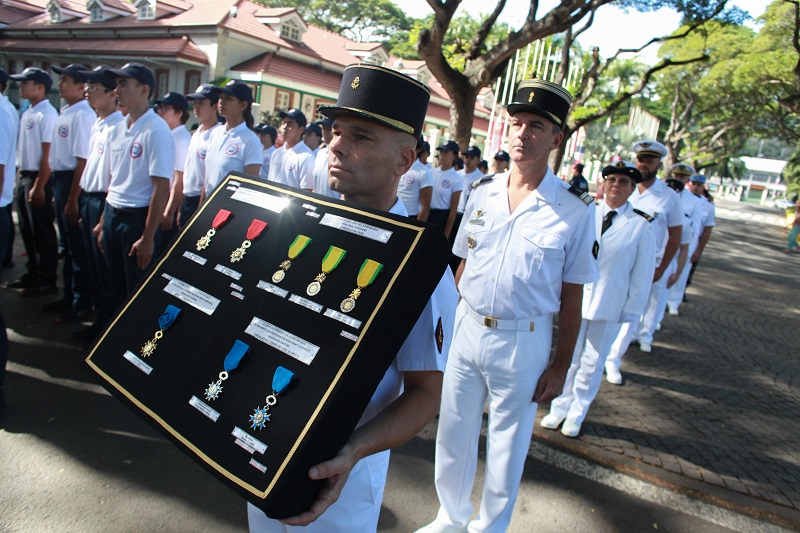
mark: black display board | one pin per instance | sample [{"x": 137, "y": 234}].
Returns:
[{"x": 337, "y": 358}]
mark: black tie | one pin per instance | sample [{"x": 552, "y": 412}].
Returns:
[{"x": 607, "y": 221}]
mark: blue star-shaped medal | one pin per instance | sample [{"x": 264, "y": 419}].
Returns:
[{"x": 259, "y": 418}]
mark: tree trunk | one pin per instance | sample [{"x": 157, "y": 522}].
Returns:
[
  {"x": 462, "y": 114},
  {"x": 557, "y": 156}
]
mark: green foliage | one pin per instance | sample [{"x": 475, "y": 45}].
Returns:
[{"x": 791, "y": 174}]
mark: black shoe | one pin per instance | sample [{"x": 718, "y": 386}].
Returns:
[
  {"x": 61, "y": 305},
  {"x": 73, "y": 314},
  {"x": 86, "y": 334},
  {"x": 40, "y": 288},
  {"x": 24, "y": 282}
]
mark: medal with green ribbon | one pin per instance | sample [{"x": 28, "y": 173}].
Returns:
[
  {"x": 297, "y": 247},
  {"x": 329, "y": 262},
  {"x": 366, "y": 275}
]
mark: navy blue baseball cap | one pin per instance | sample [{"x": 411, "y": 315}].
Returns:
[
  {"x": 135, "y": 71},
  {"x": 3, "y": 76},
  {"x": 296, "y": 115},
  {"x": 314, "y": 128},
  {"x": 238, "y": 89},
  {"x": 325, "y": 123},
  {"x": 449, "y": 146},
  {"x": 173, "y": 99},
  {"x": 36, "y": 75},
  {"x": 266, "y": 129},
  {"x": 502, "y": 154},
  {"x": 424, "y": 146},
  {"x": 205, "y": 92},
  {"x": 97, "y": 75},
  {"x": 472, "y": 151},
  {"x": 73, "y": 70}
]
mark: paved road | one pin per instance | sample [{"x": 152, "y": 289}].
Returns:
[{"x": 718, "y": 394}]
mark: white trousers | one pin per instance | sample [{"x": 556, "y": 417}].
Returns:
[
  {"x": 586, "y": 371},
  {"x": 656, "y": 304},
  {"x": 675, "y": 294},
  {"x": 504, "y": 367},
  {"x": 626, "y": 333},
  {"x": 357, "y": 508}
]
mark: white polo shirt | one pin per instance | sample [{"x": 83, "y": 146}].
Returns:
[
  {"x": 517, "y": 262},
  {"x": 35, "y": 127},
  {"x": 9, "y": 124},
  {"x": 663, "y": 203},
  {"x": 296, "y": 168},
  {"x": 182, "y": 138},
  {"x": 266, "y": 155},
  {"x": 230, "y": 150},
  {"x": 467, "y": 180},
  {"x": 411, "y": 184},
  {"x": 97, "y": 173},
  {"x": 71, "y": 137},
  {"x": 445, "y": 184},
  {"x": 194, "y": 170},
  {"x": 139, "y": 152}
]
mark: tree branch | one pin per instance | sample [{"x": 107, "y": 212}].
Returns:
[{"x": 480, "y": 38}]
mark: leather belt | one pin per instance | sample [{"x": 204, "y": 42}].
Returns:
[{"x": 525, "y": 324}]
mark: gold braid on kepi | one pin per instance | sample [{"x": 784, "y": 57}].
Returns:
[{"x": 543, "y": 98}]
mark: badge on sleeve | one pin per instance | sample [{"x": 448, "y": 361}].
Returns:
[{"x": 439, "y": 335}]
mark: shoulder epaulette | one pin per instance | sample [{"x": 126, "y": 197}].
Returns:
[
  {"x": 584, "y": 196},
  {"x": 647, "y": 217},
  {"x": 485, "y": 179}
]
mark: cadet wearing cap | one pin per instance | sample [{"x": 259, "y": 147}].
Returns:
[
  {"x": 34, "y": 193},
  {"x": 655, "y": 198},
  {"x": 94, "y": 187},
  {"x": 9, "y": 126},
  {"x": 697, "y": 184},
  {"x": 625, "y": 261},
  {"x": 68, "y": 154},
  {"x": 416, "y": 187},
  {"x": 694, "y": 212},
  {"x": 526, "y": 240},
  {"x": 321, "y": 161},
  {"x": 577, "y": 180},
  {"x": 234, "y": 146},
  {"x": 312, "y": 136},
  {"x": 205, "y": 100},
  {"x": 268, "y": 135},
  {"x": 447, "y": 189},
  {"x": 142, "y": 165},
  {"x": 500, "y": 162},
  {"x": 174, "y": 109},
  {"x": 377, "y": 119},
  {"x": 293, "y": 163}
]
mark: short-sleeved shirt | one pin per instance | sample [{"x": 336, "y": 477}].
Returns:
[
  {"x": 467, "y": 180},
  {"x": 97, "y": 173},
  {"x": 36, "y": 126},
  {"x": 295, "y": 168},
  {"x": 321, "y": 183},
  {"x": 266, "y": 155},
  {"x": 139, "y": 152},
  {"x": 517, "y": 262},
  {"x": 709, "y": 212},
  {"x": 411, "y": 184},
  {"x": 182, "y": 139},
  {"x": 71, "y": 137},
  {"x": 9, "y": 124},
  {"x": 194, "y": 171},
  {"x": 693, "y": 217},
  {"x": 445, "y": 184},
  {"x": 230, "y": 150},
  {"x": 662, "y": 203}
]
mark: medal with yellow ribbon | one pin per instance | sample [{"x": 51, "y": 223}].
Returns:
[
  {"x": 297, "y": 247},
  {"x": 329, "y": 262},
  {"x": 366, "y": 275}
]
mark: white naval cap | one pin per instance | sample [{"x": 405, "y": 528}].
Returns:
[
  {"x": 682, "y": 169},
  {"x": 653, "y": 148}
]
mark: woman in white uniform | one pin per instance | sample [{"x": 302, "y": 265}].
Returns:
[
  {"x": 234, "y": 147},
  {"x": 626, "y": 261}
]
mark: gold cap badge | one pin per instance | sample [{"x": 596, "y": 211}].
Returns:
[
  {"x": 530, "y": 96},
  {"x": 355, "y": 83}
]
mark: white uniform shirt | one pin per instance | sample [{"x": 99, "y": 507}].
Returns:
[
  {"x": 97, "y": 173},
  {"x": 662, "y": 203},
  {"x": 266, "y": 155},
  {"x": 194, "y": 171},
  {"x": 275, "y": 162},
  {"x": 230, "y": 150},
  {"x": 709, "y": 212},
  {"x": 411, "y": 184},
  {"x": 139, "y": 152},
  {"x": 467, "y": 180},
  {"x": 321, "y": 183},
  {"x": 35, "y": 127},
  {"x": 518, "y": 261},
  {"x": 445, "y": 184},
  {"x": 295, "y": 168},
  {"x": 9, "y": 126},
  {"x": 71, "y": 138},
  {"x": 182, "y": 138},
  {"x": 693, "y": 218},
  {"x": 626, "y": 261}
]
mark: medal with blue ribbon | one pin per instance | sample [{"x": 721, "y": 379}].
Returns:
[
  {"x": 297, "y": 247},
  {"x": 329, "y": 262},
  {"x": 166, "y": 320},
  {"x": 280, "y": 381},
  {"x": 366, "y": 275},
  {"x": 232, "y": 360}
]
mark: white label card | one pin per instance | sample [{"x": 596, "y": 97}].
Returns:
[
  {"x": 243, "y": 445},
  {"x": 269, "y": 287},
  {"x": 310, "y": 207},
  {"x": 356, "y": 228},
  {"x": 194, "y": 257},
  {"x": 204, "y": 408},
  {"x": 305, "y": 302},
  {"x": 237, "y": 287},
  {"x": 248, "y": 439},
  {"x": 312, "y": 214},
  {"x": 283, "y": 341},
  {"x": 238, "y": 295},
  {"x": 343, "y": 318},
  {"x": 348, "y": 335},
  {"x": 231, "y": 273},
  {"x": 275, "y": 204},
  {"x": 233, "y": 182},
  {"x": 138, "y": 363},
  {"x": 193, "y": 296},
  {"x": 258, "y": 466}
]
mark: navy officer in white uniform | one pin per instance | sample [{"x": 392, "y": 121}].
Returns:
[
  {"x": 626, "y": 261},
  {"x": 526, "y": 242},
  {"x": 377, "y": 121}
]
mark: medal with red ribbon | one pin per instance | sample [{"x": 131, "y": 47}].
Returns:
[
  {"x": 255, "y": 229},
  {"x": 222, "y": 217}
]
